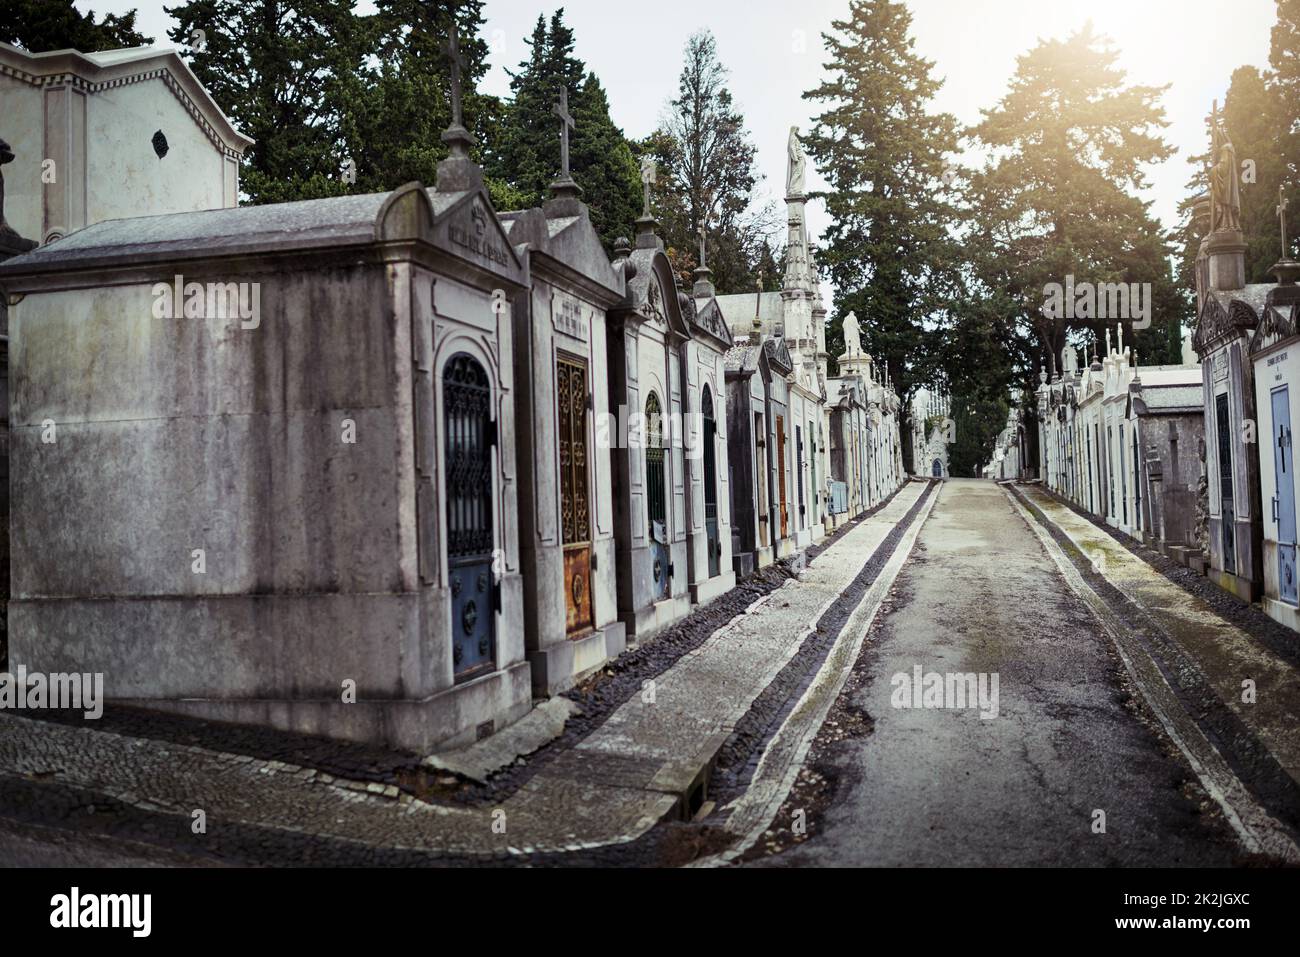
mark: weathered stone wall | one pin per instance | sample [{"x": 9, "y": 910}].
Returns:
[
  {"x": 1173, "y": 439},
  {"x": 179, "y": 434}
]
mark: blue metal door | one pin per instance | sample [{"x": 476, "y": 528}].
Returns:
[
  {"x": 1284, "y": 500},
  {"x": 467, "y": 401}
]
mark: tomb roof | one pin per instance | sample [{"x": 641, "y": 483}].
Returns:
[
  {"x": 210, "y": 232},
  {"x": 738, "y": 311},
  {"x": 741, "y": 359},
  {"x": 303, "y": 225},
  {"x": 569, "y": 240},
  {"x": 1169, "y": 399},
  {"x": 1169, "y": 375}
]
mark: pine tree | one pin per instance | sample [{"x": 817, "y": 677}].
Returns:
[
  {"x": 889, "y": 249},
  {"x": 280, "y": 70},
  {"x": 39, "y": 26},
  {"x": 600, "y": 158},
  {"x": 398, "y": 104},
  {"x": 604, "y": 165},
  {"x": 1284, "y": 57},
  {"x": 1059, "y": 197}
]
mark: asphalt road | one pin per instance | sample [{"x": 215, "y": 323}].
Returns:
[{"x": 945, "y": 787}]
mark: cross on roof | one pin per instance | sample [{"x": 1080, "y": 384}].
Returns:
[
  {"x": 561, "y": 110},
  {"x": 703, "y": 233},
  {"x": 458, "y": 63}
]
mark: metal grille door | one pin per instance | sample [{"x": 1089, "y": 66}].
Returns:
[{"x": 467, "y": 401}]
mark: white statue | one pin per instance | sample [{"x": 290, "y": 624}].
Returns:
[
  {"x": 794, "y": 178},
  {"x": 852, "y": 336},
  {"x": 1069, "y": 360}
]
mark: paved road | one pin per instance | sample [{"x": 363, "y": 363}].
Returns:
[{"x": 945, "y": 787}]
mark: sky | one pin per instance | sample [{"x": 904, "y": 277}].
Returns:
[{"x": 774, "y": 52}]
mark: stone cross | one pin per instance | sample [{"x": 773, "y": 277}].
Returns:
[
  {"x": 458, "y": 63},
  {"x": 561, "y": 110},
  {"x": 702, "y": 233},
  {"x": 1282, "y": 216}
]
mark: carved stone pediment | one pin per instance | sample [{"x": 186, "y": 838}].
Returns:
[
  {"x": 652, "y": 293},
  {"x": 1280, "y": 320},
  {"x": 709, "y": 320},
  {"x": 654, "y": 303},
  {"x": 1216, "y": 322},
  {"x": 778, "y": 355}
]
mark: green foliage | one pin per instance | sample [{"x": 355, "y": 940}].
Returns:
[
  {"x": 1284, "y": 57},
  {"x": 1284, "y": 90},
  {"x": 325, "y": 91},
  {"x": 527, "y": 151},
  {"x": 40, "y": 26},
  {"x": 279, "y": 71},
  {"x": 706, "y": 174},
  {"x": 1261, "y": 116},
  {"x": 1059, "y": 198},
  {"x": 977, "y": 423},
  {"x": 396, "y": 104},
  {"x": 889, "y": 249}
]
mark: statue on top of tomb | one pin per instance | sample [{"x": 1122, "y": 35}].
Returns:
[{"x": 797, "y": 162}]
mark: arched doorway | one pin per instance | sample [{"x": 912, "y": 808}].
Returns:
[
  {"x": 467, "y": 405},
  {"x": 937, "y": 469},
  {"x": 656, "y": 497},
  {"x": 711, "y": 485}
]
